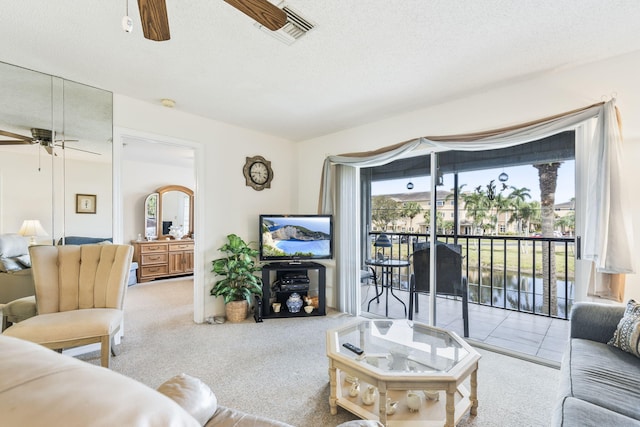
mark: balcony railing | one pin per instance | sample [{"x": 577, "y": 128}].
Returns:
[{"x": 527, "y": 274}]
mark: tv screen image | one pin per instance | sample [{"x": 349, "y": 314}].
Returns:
[{"x": 296, "y": 237}]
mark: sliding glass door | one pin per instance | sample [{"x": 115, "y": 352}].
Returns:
[{"x": 492, "y": 230}]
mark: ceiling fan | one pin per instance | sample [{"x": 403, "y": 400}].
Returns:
[
  {"x": 42, "y": 137},
  {"x": 155, "y": 23}
]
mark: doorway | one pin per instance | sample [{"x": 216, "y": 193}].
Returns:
[{"x": 144, "y": 162}]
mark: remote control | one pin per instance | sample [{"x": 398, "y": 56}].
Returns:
[{"x": 356, "y": 350}]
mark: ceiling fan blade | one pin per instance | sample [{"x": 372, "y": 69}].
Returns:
[
  {"x": 155, "y": 22},
  {"x": 49, "y": 150},
  {"x": 80, "y": 149},
  {"x": 26, "y": 139},
  {"x": 262, "y": 11},
  {"x": 66, "y": 147},
  {"x": 23, "y": 142}
]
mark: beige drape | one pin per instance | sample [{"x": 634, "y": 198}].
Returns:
[{"x": 605, "y": 284}]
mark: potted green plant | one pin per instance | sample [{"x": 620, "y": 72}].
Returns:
[{"x": 238, "y": 284}]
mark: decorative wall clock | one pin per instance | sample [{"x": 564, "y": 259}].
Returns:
[{"x": 258, "y": 173}]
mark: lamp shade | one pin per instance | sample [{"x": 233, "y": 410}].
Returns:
[
  {"x": 32, "y": 228},
  {"x": 382, "y": 241}
]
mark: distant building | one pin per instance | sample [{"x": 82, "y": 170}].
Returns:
[{"x": 445, "y": 209}]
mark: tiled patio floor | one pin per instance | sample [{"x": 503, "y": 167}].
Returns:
[{"x": 527, "y": 334}]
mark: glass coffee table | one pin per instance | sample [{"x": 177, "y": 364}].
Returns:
[{"x": 408, "y": 373}]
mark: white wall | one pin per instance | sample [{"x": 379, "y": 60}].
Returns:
[
  {"x": 229, "y": 205},
  {"x": 27, "y": 186},
  {"x": 27, "y": 197},
  {"x": 84, "y": 177},
  {"x": 514, "y": 103}
]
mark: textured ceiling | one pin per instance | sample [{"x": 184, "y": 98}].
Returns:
[{"x": 364, "y": 61}]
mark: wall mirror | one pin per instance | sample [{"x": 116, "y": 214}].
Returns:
[
  {"x": 175, "y": 208},
  {"x": 151, "y": 216},
  {"x": 56, "y": 143}
]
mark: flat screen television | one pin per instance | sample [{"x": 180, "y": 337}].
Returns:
[{"x": 296, "y": 238}]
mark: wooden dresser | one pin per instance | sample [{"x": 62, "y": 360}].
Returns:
[{"x": 160, "y": 259}]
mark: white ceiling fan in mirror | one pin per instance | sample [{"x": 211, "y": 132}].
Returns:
[{"x": 42, "y": 137}]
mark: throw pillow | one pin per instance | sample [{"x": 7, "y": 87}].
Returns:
[
  {"x": 361, "y": 423},
  {"x": 192, "y": 395},
  {"x": 12, "y": 244},
  {"x": 627, "y": 334},
  {"x": 9, "y": 264},
  {"x": 24, "y": 260}
]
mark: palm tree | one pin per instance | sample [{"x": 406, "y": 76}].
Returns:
[
  {"x": 439, "y": 219},
  {"x": 530, "y": 215},
  {"x": 448, "y": 227},
  {"x": 453, "y": 192},
  {"x": 567, "y": 222},
  {"x": 411, "y": 210},
  {"x": 519, "y": 197},
  {"x": 502, "y": 205},
  {"x": 548, "y": 177},
  {"x": 475, "y": 204}
]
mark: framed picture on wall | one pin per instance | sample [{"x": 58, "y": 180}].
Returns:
[{"x": 85, "y": 203}]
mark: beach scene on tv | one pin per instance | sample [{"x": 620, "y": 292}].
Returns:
[{"x": 292, "y": 237}]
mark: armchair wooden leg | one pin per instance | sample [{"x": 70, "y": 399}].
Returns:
[
  {"x": 105, "y": 351},
  {"x": 115, "y": 349}
]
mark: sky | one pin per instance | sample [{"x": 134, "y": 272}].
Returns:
[{"x": 519, "y": 176}]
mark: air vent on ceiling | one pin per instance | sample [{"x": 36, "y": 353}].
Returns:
[{"x": 296, "y": 26}]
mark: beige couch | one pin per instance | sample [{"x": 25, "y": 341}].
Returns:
[{"x": 39, "y": 387}]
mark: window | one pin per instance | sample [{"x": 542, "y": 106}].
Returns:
[{"x": 476, "y": 172}]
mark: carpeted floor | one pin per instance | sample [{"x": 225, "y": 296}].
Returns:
[{"x": 278, "y": 368}]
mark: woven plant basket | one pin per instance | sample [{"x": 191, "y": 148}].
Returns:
[{"x": 236, "y": 311}]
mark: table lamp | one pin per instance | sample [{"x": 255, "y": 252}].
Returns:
[
  {"x": 382, "y": 241},
  {"x": 32, "y": 228}
]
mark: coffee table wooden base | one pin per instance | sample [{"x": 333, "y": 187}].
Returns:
[
  {"x": 401, "y": 356},
  {"x": 447, "y": 411}
]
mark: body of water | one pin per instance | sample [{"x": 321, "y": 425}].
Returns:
[
  {"x": 523, "y": 293},
  {"x": 315, "y": 247}
]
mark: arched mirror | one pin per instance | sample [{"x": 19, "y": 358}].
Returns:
[{"x": 175, "y": 208}]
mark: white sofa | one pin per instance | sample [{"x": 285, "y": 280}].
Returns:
[
  {"x": 15, "y": 268},
  {"x": 40, "y": 387}
]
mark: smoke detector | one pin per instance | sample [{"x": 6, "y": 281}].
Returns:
[{"x": 296, "y": 26}]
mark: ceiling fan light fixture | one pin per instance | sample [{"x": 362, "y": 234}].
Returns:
[
  {"x": 127, "y": 24},
  {"x": 41, "y": 135},
  {"x": 167, "y": 102}
]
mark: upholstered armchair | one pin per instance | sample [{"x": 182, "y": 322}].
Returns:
[{"x": 79, "y": 296}]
